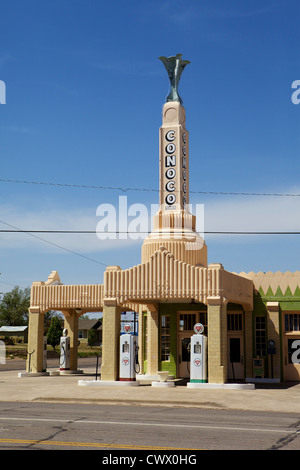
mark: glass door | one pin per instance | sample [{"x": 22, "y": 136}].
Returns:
[
  {"x": 184, "y": 355},
  {"x": 186, "y": 323},
  {"x": 235, "y": 369}
]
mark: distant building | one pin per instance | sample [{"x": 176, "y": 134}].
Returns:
[
  {"x": 19, "y": 333},
  {"x": 84, "y": 327}
]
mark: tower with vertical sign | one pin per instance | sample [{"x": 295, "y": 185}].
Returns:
[{"x": 174, "y": 226}]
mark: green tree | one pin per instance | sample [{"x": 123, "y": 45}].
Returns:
[
  {"x": 92, "y": 337},
  {"x": 14, "y": 307},
  {"x": 54, "y": 332},
  {"x": 48, "y": 317}
]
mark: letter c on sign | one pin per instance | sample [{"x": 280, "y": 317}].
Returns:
[
  {"x": 170, "y": 186},
  {"x": 170, "y": 136}
]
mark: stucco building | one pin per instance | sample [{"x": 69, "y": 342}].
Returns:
[{"x": 246, "y": 316}]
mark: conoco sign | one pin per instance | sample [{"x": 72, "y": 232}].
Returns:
[{"x": 175, "y": 167}]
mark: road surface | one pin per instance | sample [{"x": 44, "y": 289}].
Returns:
[{"x": 130, "y": 428}]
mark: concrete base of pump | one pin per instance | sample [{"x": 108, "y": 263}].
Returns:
[
  {"x": 162, "y": 384},
  {"x": 32, "y": 374},
  {"x": 108, "y": 383},
  {"x": 227, "y": 386},
  {"x": 70, "y": 372}
]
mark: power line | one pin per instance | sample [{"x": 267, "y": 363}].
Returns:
[
  {"x": 29, "y": 232},
  {"x": 125, "y": 189},
  {"x": 141, "y": 231},
  {"x": 80, "y": 186},
  {"x": 8, "y": 283}
]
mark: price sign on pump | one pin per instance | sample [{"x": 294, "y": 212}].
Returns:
[{"x": 198, "y": 328}]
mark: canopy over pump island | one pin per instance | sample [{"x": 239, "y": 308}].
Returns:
[{"x": 247, "y": 324}]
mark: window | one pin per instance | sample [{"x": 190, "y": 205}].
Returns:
[
  {"x": 260, "y": 336},
  {"x": 187, "y": 321},
  {"x": 203, "y": 320},
  {"x": 235, "y": 349},
  {"x": 234, "y": 322},
  {"x": 292, "y": 321},
  {"x": 165, "y": 338}
]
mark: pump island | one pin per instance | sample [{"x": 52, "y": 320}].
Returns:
[{"x": 196, "y": 321}]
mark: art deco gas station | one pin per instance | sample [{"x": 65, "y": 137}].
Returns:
[{"x": 246, "y": 322}]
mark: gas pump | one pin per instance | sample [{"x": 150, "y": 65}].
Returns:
[
  {"x": 129, "y": 365},
  {"x": 64, "y": 360},
  {"x": 44, "y": 353},
  {"x": 198, "y": 373}
]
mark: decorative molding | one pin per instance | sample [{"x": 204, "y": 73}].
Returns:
[
  {"x": 273, "y": 306},
  {"x": 278, "y": 284},
  {"x": 161, "y": 279},
  {"x": 110, "y": 302}
]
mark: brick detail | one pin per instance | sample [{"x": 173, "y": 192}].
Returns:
[
  {"x": 110, "y": 340},
  {"x": 71, "y": 323},
  {"x": 217, "y": 340},
  {"x": 273, "y": 329},
  {"x": 34, "y": 361}
]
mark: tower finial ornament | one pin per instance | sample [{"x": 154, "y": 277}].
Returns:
[{"x": 174, "y": 66}]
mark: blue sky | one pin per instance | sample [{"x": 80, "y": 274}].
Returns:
[{"x": 84, "y": 95}]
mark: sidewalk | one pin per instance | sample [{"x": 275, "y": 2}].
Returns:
[{"x": 65, "y": 388}]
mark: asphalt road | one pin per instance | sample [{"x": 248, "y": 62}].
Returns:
[{"x": 44, "y": 426}]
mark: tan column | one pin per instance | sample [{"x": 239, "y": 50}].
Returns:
[
  {"x": 110, "y": 340},
  {"x": 152, "y": 340},
  {"x": 141, "y": 338},
  {"x": 248, "y": 343},
  {"x": 273, "y": 329},
  {"x": 34, "y": 361},
  {"x": 217, "y": 339},
  {"x": 71, "y": 323}
]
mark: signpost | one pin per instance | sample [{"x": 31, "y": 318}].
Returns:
[{"x": 271, "y": 350}]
